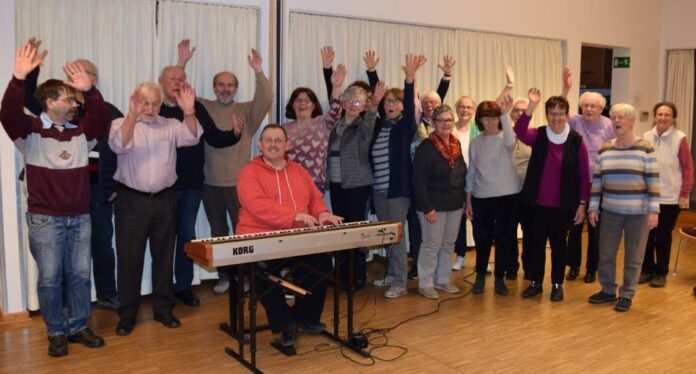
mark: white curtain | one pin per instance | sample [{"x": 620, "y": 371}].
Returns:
[
  {"x": 679, "y": 87},
  {"x": 479, "y": 71},
  {"x": 124, "y": 41},
  {"x": 223, "y": 36}
]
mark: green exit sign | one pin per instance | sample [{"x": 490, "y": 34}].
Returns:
[{"x": 622, "y": 62}]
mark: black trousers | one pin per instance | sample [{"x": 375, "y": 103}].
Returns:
[
  {"x": 140, "y": 218},
  {"x": 523, "y": 218},
  {"x": 460, "y": 243},
  {"x": 415, "y": 235},
  {"x": 350, "y": 203},
  {"x": 575, "y": 247},
  {"x": 494, "y": 220},
  {"x": 307, "y": 272},
  {"x": 659, "y": 246},
  {"x": 552, "y": 224}
]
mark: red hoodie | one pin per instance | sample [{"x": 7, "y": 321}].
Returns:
[{"x": 270, "y": 199}]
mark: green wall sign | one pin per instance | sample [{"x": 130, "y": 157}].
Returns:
[{"x": 622, "y": 62}]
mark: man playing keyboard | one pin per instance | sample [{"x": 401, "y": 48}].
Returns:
[{"x": 276, "y": 193}]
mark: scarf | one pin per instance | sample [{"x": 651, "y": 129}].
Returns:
[
  {"x": 558, "y": 138},
  {"x": 451, "y": 151}
]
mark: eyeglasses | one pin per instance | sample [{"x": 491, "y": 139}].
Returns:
[
  {"x": 444, "y": 120},
  {"x": 176, "y": 79},
  {"x": 555, "y": 114},
  {"x": 392, "y": 101},
  {"x": 469, "y": 107},
  {"x": 273, "y": 141},
  {"x": 69, "y": 100},
  {"x": 353, "y": 103},
  {"x": 302, "y": 100},
  {"x": 590, "y": 106}
]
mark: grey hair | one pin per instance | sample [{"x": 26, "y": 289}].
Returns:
[
  {"x": 626, "y": 110},
  {"x": 433, "y": 95},
  {"x": 353, "y": 93},
  {"x": 593, "y": 95},
  {"x": 151, "y": 87}
]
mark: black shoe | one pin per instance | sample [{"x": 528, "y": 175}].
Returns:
[
  {"x": 125, "y": 326},
  {"x": 658, "y": 281},
  {"x": 602, "y": 297},
  {"x": 533, "y": 290},
  {"x": 573, "y": 274},
  {"x": 87, "y": 338},
  {"x": 645, "y": 278},
  {"x": 623, "y": 305},
  {"x": 511, "y": 276},
  {"x": 557, "y": 292},
  {"x": 57, "y": 346},
  {"x": 168, "y": 320},
  {"x": 312, "y": 328},
  {"x": 479, "y": 284},
  {"x": 500, "y": 287},
  {"x": 590, "y": 277},
  {"x": 527, "y": 276},
  {"x": 288, "y": 338},
  {"x": 413, "y": 274},
  {"x": 188, "y": 297}
]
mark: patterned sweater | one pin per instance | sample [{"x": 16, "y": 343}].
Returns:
[
  {"x": 627, "y": 179},
  {"x": 56, "y": 161}
]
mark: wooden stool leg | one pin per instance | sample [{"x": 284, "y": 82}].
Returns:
[{"x": 676, "y": 260}]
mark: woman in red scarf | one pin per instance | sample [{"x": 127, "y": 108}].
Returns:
[{"x": 439, "y": 174}]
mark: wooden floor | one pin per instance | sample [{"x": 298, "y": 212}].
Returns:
[{"x": 469, "y": 334}]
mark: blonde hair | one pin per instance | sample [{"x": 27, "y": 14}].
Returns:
[{"x": 625, "y": 110}]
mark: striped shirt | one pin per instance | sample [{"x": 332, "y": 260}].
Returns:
[
  {"x": 380, "y": 159},
  {"x": 626, "y": 179}
]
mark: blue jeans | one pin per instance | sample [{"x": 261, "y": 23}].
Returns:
[
  {"x": 60, "y": 245},
  {"x": 188, "y": 203},
  {"x": 103, "y": 257}
]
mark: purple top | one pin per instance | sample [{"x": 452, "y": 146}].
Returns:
[
  {"x": 593, "y": 134},
  {"x": 550, "y": 184}
]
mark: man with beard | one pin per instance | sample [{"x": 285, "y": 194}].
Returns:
[
  {"x": 222, "y": 165},
  {"x": 189, "y": 170},
  {"x": 55, "y": 155}
]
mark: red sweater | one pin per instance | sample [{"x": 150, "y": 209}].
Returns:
[
  {"x": 270, "y": 199},
  {"x": 57, "y": 170}
]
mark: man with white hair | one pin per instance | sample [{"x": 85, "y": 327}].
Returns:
[
  {"x": 146, "y": 145},
  {"x": 596, "y": 130}
]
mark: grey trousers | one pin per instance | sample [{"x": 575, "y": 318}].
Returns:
[
  {"x": 218, "y": 202},
  {"x": 635, "y": 233},
  {"x": 435, "y": 257},
  {"x": 394, "y": 210}
]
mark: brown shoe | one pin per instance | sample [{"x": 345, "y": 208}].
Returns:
[
  {"x": 658, "y": 281},
  {"x": 645, "y": 278}
]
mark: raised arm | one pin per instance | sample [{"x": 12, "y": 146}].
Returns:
[
  {"x": 525, "y": 134},
  {"x": 327, "y": 58},
  {"x": 185, "y": 52},
  {"x": 124, "y": 133},
  {"x": 185, "y": 99},
  {"x": 96, "y": 119},
  {"x": 410, "y": 69},
  {"x": 567, "y": 82},
  {"x": 446, "y": 67},
  {"x": 509, "y": 139},
  {"x": 31, "y": 81},
  {"x": 509, "y": 83},
  {"x": 263, "y": 93}
]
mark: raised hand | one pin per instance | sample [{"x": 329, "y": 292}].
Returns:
[
  {"x": 534, "y": 95},
  {"x": 411, "y": 67},
  {"x": 326, "y": 218},
  {"x": 136, "y": 104},
  {"x": 509, "y": 77},
  {"x": 422, "y": 60},
  {"x": 185, "y": 52},
  {"x": 186, "y": 98},
  {"x": 327, "y": 56},
  {"x": 567, "y": 81},
  {"x": 238, "y": 123},
  {"x": 380, "y": 89},
  {"x": 371, "y": 60},
  {"x": 447, "y": 64},
  {"x": 505, "y": 103},
  {"x": 77, "y": 77},
  {"x": 26, "y": 60},
  {"x": 255, "y": 61},
  {"x": 36, "y": 43},
  {"x": 338, "y": 75}
]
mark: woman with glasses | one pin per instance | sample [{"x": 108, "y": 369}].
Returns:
[
  {"x": 348, "y": 169},
  {"x": 491, "y": 191},
  {"x": 390, "y": 158},
  {"x": 555, "y": 190},
  {"x": 309, "y": 131},
  {"x": 439, "y": 174},
  {"x": 676, "y": 180}
]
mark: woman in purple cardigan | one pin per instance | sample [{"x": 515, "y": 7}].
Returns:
[{"x": 556, "y": 188}]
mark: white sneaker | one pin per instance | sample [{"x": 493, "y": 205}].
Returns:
[
  {"x": 222, "y": 286},
  {"x": 394, "y": 291},
  {"x": 429, "y": 293},
  {"x": 447, "y": 287},
  {"x": 458, "y": 263},
  {"x": 387, "y": 281}
]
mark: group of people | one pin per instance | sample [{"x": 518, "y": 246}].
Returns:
[{"x": 407, "y": 157}]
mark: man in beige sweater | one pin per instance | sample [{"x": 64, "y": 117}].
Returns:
[{"x": 222, "y": 165}]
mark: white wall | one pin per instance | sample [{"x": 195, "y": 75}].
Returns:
[
  {"x": 677, "y": 31},
  {"x": 617, "y": 23}
]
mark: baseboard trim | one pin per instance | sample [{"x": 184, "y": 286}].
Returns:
[{"x": 13, "y": 317}]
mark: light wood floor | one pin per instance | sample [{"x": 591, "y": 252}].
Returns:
[{"x": 470, "y": 334}]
